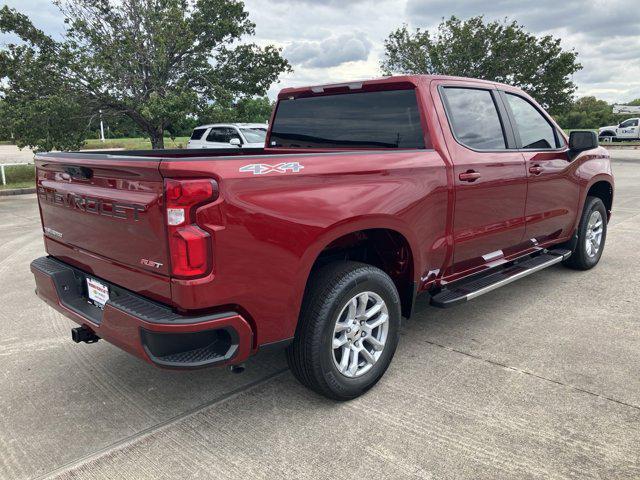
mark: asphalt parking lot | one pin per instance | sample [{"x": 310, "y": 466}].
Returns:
[{"x": 540, "y": 379}]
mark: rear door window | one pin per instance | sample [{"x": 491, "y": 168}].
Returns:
[
  {"x": 386, "y": 119},
  {"x": 219, "y": 135},
  {"x": 535, "y": 131},
  {"x": 198, "y": 133},
  {"x": 474, "y": 118}
]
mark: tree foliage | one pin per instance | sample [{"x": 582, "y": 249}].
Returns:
[
  {"x": 590, "y": 112},
  {"x": 155, "y": 61},
  {"x": 500, "y": 51},
  {"x": 250, "y": 110},
  {"x": 587, "y": 112},
  {"x": 5, "y": 126}
]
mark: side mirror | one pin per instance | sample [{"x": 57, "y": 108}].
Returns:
[
  {"x": 581, "y": 140},
  {"x": 235, "y": 142}
]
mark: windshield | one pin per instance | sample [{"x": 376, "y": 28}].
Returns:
[
  {"x": 254, "y": 135},
  {"x": 387, "y": 119}
]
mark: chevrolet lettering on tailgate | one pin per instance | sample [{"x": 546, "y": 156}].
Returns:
[{"x": 95, "y": 205}]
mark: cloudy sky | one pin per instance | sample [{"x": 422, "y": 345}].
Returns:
[{"x": 337, "y": 40}]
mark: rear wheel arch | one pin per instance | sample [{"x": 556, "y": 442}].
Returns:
[{"x": 385, "y": 248}]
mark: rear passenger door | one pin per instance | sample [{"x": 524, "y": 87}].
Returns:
[
  {"x": 553, "y": 191},
  {"x": 489, "y": 177}
]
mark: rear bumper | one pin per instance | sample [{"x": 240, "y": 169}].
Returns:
[{"x": 142, "y": 327}]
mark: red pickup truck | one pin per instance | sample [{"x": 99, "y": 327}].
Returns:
[{"x": 365, "y": 195}]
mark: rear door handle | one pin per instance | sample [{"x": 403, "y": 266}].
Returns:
[
  {"x": 535, "y": 169},
  {"x": 469, "y": 176}
]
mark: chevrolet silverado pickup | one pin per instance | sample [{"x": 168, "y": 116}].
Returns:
[{"x": 365, "y": 195}]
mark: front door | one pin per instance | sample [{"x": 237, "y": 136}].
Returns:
[
  {"x": 489, "y": 178},
  {"x": 553, "y": 189},
  {"x": 628, "y": 129}
]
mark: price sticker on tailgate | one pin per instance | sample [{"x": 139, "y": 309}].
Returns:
[{"x": 98, "y": 292}]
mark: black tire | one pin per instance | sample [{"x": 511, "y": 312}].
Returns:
[
  {"x": 580, "y": 259},
  {"x": 311, "y": 355}
]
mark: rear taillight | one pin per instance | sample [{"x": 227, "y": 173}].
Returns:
[{"x": 189, "y": 245}]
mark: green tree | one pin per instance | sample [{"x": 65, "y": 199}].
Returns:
[
  {"x": 155, "y": 61},
  {"x": 587, "y": 112},
  {"x": 250, "y": 110},
  {"x": 500, "y": 51},
  {"x": 254, "y": 110},
  {"x": 5, "y": 126}
]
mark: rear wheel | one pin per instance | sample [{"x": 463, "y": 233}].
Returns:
[
  {"x": 347, "y": 332},
  {"x": 592, "y": 233}
]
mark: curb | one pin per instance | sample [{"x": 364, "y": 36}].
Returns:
[{"x": 16, "y": 191}]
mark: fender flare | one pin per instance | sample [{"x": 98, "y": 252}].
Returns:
[
  {"x": 357, "y": 224},
  {"x": 600, "y": 177},
  {"x": 345, "y": 227}
]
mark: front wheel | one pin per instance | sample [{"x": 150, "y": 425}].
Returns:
[
  {"x": 348, "y": 330},
  {"x": 592, "y": 233}
]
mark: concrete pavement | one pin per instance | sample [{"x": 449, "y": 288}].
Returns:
[
  {"x": 535, "y": 380},
  {"x": 12, "y": 154}
]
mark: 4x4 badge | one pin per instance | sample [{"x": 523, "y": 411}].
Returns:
[{"x": 261, "y": 168}]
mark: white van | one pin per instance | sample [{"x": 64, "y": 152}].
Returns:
[{"x": 229, "y": 135}]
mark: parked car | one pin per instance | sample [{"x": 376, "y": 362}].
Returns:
[
  {"x": 229, "y": 135},
  {"x": 366, "y": 195},
  {"x": 627, "y": 130}
]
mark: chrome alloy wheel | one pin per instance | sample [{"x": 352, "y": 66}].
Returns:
[
  {"x": 360, "y": 334},
  {"x": 593, "y": 240}
]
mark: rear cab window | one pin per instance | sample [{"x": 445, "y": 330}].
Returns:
[
  {"x": 473, "y": 117},
  {"x": 380, "y": 119}
]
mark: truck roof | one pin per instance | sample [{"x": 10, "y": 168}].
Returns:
[{"x": 359, "y": 84}]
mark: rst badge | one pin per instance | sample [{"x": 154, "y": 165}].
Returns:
[
  {"x": 150, "y": 263},
  {"x": 262, "y": 168}
]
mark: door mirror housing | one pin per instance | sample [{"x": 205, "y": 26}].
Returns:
[
  {"x": 235, "y": 142},
  {"x": 581, "y": 140}
]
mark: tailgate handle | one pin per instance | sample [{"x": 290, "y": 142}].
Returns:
[{"x": 79, "y": 172}]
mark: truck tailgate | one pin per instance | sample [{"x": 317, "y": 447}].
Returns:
[{"x": 111, "y": 207}]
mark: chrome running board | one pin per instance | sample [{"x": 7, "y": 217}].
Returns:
[{"x": 465, "y": 290}]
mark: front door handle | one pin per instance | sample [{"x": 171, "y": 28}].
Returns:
[
  {"x": 469, "y": 176},
  {"x": 535, "y": 169}
]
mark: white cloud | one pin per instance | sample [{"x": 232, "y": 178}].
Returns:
[
  {"x": 337, "y": 40},
  {"x": 606, "y": 35},
  {"x": 330, "y": 52}
]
